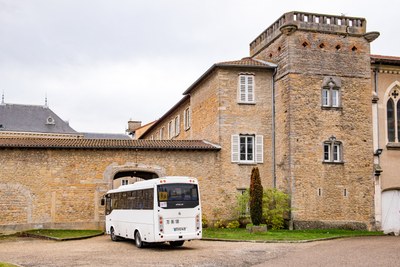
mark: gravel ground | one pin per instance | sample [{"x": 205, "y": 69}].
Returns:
[{"x": 101, "y": 251}]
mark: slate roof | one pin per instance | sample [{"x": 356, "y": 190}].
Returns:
[
  {"x": 58, "y": 143},
  {"x": 31, "y": 118}
]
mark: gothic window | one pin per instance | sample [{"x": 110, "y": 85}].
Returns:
[
  {"x": 246, "y": 89},
  {"x": 333, "y": 150},
  {"x": 247, "y": 148},
  {"x": 393, "y": 115},
  {"x": 331, "y": 97}
]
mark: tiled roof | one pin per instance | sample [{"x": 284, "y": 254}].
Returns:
[
  {"x": 106, "y": 144},
  {"x": 247, "y": 61},
  {"x": 385, "y": 59}
]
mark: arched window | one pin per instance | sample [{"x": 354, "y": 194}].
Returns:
[{"x": 393, "y": 115}]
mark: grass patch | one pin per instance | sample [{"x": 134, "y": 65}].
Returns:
[
  {"x": 283, "y": 235},
  {"x": 5, "y": 264},
  {"x": 62, "y": 234}
]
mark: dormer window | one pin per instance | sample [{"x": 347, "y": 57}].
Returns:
[{"x": 50, "y": 121}]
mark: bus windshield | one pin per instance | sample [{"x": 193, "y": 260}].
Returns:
[{"x": 177, "y": 196}]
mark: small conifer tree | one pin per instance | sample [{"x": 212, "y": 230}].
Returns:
[{"x": 256, "y": 197}]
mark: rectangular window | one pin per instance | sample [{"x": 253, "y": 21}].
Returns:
[
  {"x": 124, "y": 182},
  {"x": 171, "y": 131},
  {"x": 336, "y": 152},
  {"x": 325, "y": 98},
  {"x": 247, "y": 148},
  {"x": 327, "y": 152},
  {"x": 335, "y": 98},
  {"x": 161, "y": 133},
  {"x": 177, "y": 125},
  {"x": 333, "y": 151},
  {"x": 246, "y": 89},
  {"x": 186, "y": 118}
]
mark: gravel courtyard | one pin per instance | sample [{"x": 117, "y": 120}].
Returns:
[{"x": 101, "y": 251}]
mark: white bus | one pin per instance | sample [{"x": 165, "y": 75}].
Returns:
[{"x": 158, "y": 210}]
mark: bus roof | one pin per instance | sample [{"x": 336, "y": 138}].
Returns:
[{"x": 150, "y": 183}]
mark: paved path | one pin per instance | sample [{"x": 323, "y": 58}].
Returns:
[{"x": 100, "y": 251}]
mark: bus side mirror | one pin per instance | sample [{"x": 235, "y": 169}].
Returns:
[{"x": 102, "y": 202}]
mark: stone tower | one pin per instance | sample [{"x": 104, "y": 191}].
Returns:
[{"x": 322, "y": 123}]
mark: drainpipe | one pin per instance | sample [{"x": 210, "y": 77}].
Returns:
[
  {"x": 377, "y": 152},
  {"x": 273, "y": 130}
]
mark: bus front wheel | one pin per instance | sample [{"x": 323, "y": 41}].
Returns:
[
  {"x": 138, "y": 240},
  {"x": 113, "y": 236},
  {"x": 176, "y": 243}
]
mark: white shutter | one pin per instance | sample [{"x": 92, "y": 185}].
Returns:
[
  {"x": 235, "y": 147},
  {"x": 184, "y": 120},
  {"x": 259, "y": 148},
  {"x": 242, "y": 89},
  {"x": 178, "y": 125},
  {"x": 250, "y": 89}
]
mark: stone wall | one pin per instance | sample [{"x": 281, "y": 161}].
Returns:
[{"x": 62, "y": 188}]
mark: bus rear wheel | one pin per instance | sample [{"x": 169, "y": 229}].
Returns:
[
  {"x": 138, "y": 240},
  {"x": 176, "y": 243}
]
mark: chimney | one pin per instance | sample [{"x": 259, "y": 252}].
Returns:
[{"x": 133, "y": 126}]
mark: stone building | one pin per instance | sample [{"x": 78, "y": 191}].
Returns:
[
  {"x": 310, "y": 107},
  {"x": 299, "y": 108}
]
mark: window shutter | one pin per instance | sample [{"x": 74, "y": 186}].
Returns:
[
  {"x": 235, "y": 147},
  {"x": 250, "y": 88},
  {"x": 178, "y": 125},
  {"x": 242, "y": 88},
  {"x": 259, "y": 148},
  {"x": 184, "y": 120}
]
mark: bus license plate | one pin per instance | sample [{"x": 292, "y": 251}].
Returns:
[{"x": 176, "y": 229}]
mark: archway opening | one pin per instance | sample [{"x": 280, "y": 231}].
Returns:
[{"x": 132, "y": 176}]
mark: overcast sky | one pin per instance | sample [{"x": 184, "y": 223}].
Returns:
[{"x": 103, "y": 62}]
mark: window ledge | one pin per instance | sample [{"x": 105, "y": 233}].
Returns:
[
  {"x": 393, "y": 146},
  {"x": 333, "y": 162},
  {"x": 246, "y": 163},
  {"x": 331, "y": 108},
  {"x": 246, "y": 103}
]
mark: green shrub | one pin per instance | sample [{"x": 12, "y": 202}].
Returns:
[
  {"x": 220, "y": 224},
  {"x": 204, "y": 221},
  {"x": 256, "y": 197},
  {"x": 275, "y": 207},
  {"x": 233, "y": 225},
  {"x": 243, "y": 204}
]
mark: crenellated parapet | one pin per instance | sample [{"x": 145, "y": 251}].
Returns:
[{"x": 293, "y": 21}]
